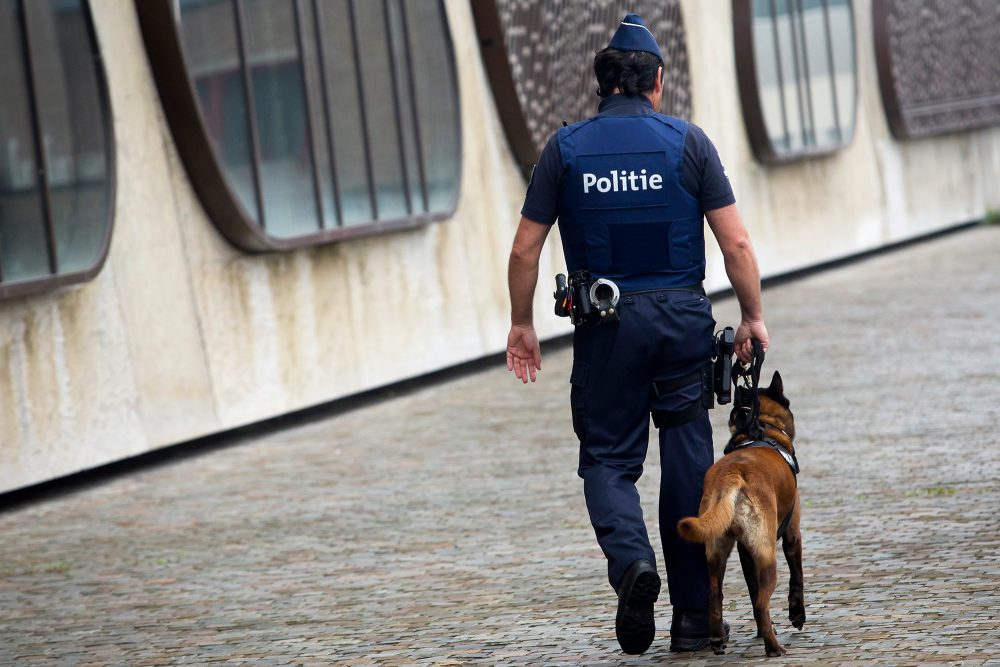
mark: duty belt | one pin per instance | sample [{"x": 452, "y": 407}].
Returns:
[{"x": 697, "y": 288}]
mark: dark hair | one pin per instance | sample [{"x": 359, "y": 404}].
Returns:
[{"x": 631, "y": 72}]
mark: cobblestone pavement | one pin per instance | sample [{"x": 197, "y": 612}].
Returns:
[{"x": 447, "y": 527}]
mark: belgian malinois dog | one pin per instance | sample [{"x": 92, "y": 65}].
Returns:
[{"x": 750, "y": 493}]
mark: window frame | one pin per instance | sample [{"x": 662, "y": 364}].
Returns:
[
  {"x": 493, "y": 51},
  {"x": 753, "y": 110},
  {"x": 178, "y": 96},
  {"x": 55, "y": 280}
]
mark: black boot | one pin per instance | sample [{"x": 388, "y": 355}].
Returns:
[
  {"x": 638, "y": 590},
  {"x": 689, "y": 630}
]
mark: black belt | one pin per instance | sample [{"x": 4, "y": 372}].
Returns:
[{"x": 697, "y": 288}]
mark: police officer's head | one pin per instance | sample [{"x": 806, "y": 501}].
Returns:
[{"x": 631, "y": 64}]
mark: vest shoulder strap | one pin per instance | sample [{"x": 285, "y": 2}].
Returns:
[
  {"x": 677, "y": 124},
  {"x": 564, "y": 132}
]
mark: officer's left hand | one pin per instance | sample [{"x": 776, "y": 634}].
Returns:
[{"x": 523, "y": 354}]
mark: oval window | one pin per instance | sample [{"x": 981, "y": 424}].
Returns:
[
  {"x": 306, "y": 122},
  {"x": 56, "y": 158},
  {"x": 797, "y": 75}
]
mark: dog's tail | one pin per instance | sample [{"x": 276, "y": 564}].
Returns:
[{"x": 715, "y": 520}]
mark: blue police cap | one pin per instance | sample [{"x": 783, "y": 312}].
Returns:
[{"x": 633, "y": 35}]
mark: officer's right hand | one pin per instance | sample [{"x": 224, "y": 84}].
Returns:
[
  {"x": 746, "y": 331},
  {"x": 524, "y": 357}
]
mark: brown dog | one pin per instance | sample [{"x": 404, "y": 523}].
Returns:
[{"x": 749, "y": 493}]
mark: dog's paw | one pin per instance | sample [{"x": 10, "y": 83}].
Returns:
[
  {"x": 776, "y": 652},
  {"x": 797, "y": 615}
]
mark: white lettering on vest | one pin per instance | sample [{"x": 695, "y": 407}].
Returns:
[{"x": 622, "y": 181}]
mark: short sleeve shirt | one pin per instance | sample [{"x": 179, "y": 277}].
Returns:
[{"x": 702, "y": 173}]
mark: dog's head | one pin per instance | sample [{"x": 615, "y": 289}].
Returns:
[{"x": 775, "y": 415}]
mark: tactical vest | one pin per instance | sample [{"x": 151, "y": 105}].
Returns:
[{"x": 623, "y": 212}]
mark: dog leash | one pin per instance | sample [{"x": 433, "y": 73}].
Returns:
[{"x": 746, "y": 406}]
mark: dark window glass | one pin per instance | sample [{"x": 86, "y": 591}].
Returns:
[
  {"x": 23, "y": 251},
  {"x": 212, "y": 46},
  {"x": 70, "y": 106},
  {"x": 402, "y": 77},
  {"x": 54, "y": 148},
  {"x": 279, "y": 105},
  {"x": 346, "y": 122},
  {"x": 380, "y": 104},
  {"x": 840, "y": 21},
  {"x": 797, "y": 75},
  {"x": 322, "y": 114},
  {"x": 435, "y": 92}
]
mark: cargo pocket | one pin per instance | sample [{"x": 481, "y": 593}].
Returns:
[{"x": 577, "y": 397}]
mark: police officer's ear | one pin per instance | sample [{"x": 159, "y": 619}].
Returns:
[{"x": 657, "y": 89}]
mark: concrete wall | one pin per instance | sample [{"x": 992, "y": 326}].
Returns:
[{"x": 181, "y": 335}]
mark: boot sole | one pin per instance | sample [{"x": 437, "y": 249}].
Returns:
[
  {"x": 688, "y": 646},
  {"x": 635, "y": 626}
]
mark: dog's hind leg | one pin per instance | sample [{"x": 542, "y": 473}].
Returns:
[
  {"x": 750, "y": 575},
  {"x": 761, "y": 547},
  {"x": 717, "y": 553},
  {"x": 791, "y": 544}
]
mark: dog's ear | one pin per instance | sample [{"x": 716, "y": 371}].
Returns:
[{"x": 776, "y": 390}]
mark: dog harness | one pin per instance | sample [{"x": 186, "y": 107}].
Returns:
[{"x": 769, "y": 443}]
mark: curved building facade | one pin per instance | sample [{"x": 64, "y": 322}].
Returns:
[{"x": 215, "y": 212}]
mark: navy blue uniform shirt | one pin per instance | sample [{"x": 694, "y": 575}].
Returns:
[{"x": 702, "y": 173}]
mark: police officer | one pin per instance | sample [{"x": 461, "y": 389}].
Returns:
[{"x": 630, "y": 189}]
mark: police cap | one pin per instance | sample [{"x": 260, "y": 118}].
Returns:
[{"x": 633, "y": 35}]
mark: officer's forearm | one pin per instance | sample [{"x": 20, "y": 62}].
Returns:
[
  {"x": 744, "y": 276},
  {"x": 522, "y": 276},
  {"x": 522, "y": 270}
]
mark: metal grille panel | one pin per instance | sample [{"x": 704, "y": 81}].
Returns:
[
  {"x": 548, "y": 48},
  {"x": 938, "y": 64}
]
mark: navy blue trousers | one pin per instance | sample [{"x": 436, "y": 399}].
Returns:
[{"x": 661, "y": 336}]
